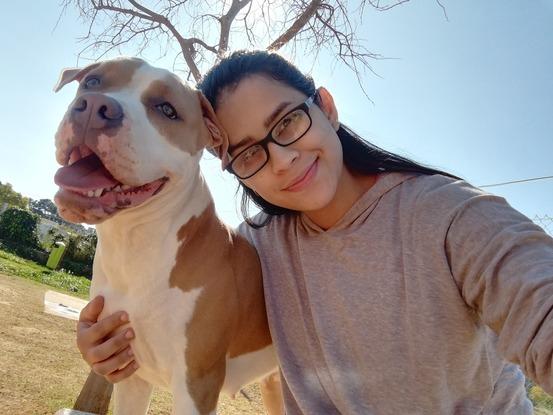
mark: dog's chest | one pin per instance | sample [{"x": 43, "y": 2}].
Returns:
[
  {"x": 159, "y": 321},
  {"x": 159, "y": 313}
]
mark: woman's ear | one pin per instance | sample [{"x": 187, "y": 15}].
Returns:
[{"x": 326, "y": 103}]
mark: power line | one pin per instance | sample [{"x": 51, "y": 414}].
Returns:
[{"x": 518, "y": 181}]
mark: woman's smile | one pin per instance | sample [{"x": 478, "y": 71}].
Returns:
[{"x": 304, "y": 179}]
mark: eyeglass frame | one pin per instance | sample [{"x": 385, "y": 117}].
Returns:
[{"x": 264, "y": 143}]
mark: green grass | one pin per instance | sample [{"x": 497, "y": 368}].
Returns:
[
  {"x": 63, "y": 281},
  {"x": 540, "y": 399}
]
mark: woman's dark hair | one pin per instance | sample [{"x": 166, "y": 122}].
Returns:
[{"x": 359, "y": 155}]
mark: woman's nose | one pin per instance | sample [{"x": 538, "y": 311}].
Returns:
[{"x": 281, "y": 158}]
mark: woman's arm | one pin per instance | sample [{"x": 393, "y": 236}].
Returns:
[{"x": 503, "y": 265}]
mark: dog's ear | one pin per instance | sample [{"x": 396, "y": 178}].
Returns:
[
  {"x": 218, "y": 144},
  {"x": 73, "y": 74}
]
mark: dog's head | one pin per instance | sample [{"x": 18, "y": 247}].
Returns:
[{"x": 130, "y": 130}]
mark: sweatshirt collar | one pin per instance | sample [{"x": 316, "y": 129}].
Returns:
[{"x": 361, "y": 208}]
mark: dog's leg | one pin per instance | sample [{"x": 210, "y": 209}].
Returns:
[
  {"x": 132, "y": 396},
  {"x": 199, "y": 395},
  {"x": 271, "y": 392},
  {"x": 184, "y": 403}
]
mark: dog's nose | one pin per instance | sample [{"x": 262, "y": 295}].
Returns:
[{"x": 97, "y": 111}]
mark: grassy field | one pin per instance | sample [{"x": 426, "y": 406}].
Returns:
[
  {"x": 41, "y": 370},
  {"x": 62, "y": 281}
]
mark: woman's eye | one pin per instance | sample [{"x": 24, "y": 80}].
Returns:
[
  {"x": 251, "y": 153},
  {"x": 288, "y": 120},
  {"x": 91, "y": 82},
  {"x": 288, "y": 123},
  {"x": 168, "y": 110}
]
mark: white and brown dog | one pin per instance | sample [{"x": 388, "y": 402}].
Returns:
[{"x": 130, "y": 145}]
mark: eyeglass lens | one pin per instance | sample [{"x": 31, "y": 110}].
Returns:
[{"x": 288, "y": 130}]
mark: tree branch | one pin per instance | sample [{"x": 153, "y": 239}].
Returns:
[
  {"x": 203, "y": 44},
  {"x": 443, "y": 9},
  {"x": 376, "y": 4},
  {"x": 226, "y": 23},
  {"x": 308, "y": 26},
  {"x": 298, "y": 24},
  {"x": 102, "y": 6}
]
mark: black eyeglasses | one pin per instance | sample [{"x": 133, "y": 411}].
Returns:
[{"x": 289, "y": 129}]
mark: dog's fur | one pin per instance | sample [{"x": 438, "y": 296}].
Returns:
[{"x": 192, "y": 287}]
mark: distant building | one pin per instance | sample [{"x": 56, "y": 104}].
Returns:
[{"x": 45, "y": 225}]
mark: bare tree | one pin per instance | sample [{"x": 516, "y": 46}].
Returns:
[{"x": 206, "y": 30}]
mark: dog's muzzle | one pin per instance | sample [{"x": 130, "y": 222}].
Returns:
[{"x": 96, "y": 111}]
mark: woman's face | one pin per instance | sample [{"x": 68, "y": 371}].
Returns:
[{"x": 303, "y": 176}]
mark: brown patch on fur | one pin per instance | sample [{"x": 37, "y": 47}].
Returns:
[
  {"x": 113, "y": 74},
  {"x": 188, "y": 131},
  {"x": 73, "y": 74},
  {"x": 230, "y": 316}
]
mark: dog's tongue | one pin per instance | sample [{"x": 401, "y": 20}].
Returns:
[{"x": 86, "y": 174}]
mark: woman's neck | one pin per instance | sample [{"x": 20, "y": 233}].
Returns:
[{"x": 350, "y": 188}]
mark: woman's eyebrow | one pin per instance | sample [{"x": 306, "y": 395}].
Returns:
[
  {"x": 267, "y": 123},
  {"x": 241, "y": 143},
  {"x": 276, "y": 112}
]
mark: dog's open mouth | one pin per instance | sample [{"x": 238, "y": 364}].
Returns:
[{"x": 87, "y": 177}]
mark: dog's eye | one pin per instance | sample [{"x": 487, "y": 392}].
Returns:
[
  {"x": 168, "y": 110},
  {"x": 92, "y": 82}
]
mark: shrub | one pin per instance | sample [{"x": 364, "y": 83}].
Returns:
[
  {"x": 79, "y": 254},
  {"x": 76, "y": 268},
  {"x": 25, "y": 251},
  {"x": 19, "y": 226}
]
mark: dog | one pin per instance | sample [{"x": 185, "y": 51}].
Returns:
[{"x": 129, "y": 146}]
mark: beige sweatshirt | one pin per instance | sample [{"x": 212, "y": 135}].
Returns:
[{"x": 413, "y": 303}]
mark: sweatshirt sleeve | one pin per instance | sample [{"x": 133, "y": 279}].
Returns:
[{"x": 503, "y": 265}]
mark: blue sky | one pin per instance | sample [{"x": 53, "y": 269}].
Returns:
[{"x": 472, "y": 95}]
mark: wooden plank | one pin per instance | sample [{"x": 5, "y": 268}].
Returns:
[{"x": 95, "y": 395}]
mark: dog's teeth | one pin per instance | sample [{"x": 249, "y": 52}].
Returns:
[
  {"x": 90, "y": 193},
  {"x": 125, "y": 187},
  {"x": 117, "y": 188},
  {"x": 98, "y": 192}
]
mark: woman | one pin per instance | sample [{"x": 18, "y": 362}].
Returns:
[{"x": 391, "y": 288}]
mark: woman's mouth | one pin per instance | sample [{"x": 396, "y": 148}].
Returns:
[{"x": 304, "y": 179}]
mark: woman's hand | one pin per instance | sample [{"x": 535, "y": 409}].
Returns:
[{"x": 108, "y": 353}]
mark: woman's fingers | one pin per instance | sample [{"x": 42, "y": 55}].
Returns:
[
  {"x": 89, "y": 314},
  {"x": 109, "y": 348},
  {"x": 114, "y": 365},
  {"x": 107, "y": 325},
  {"x": 91, "y": 335},
  {"x": 103, "y": 347},
  {"x": 123, "y": 373}
]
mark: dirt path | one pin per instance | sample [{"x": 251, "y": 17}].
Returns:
[{"x": 41, "y": 370}]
